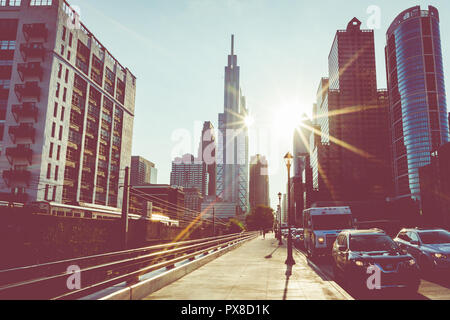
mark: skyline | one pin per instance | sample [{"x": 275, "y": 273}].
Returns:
[{"x": 189, "y": 58}]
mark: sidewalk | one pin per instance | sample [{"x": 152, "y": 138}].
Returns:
[{"x": 254, "y": 271}]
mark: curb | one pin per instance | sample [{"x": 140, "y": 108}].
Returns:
[{"x": 326, "y": 277}]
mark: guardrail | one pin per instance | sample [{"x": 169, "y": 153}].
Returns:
[{"x": 48, "y": 281}]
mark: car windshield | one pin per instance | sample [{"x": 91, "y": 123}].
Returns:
[
  {"x": 332, "y": 222},
  {"x": 435, "y": 237},
  {"x": 372, "y": 243}
]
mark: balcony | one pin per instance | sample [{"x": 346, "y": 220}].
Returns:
[
  {"x": 26, "y": 110},
  {"x": 17, "y": 177},
  {"x": 30, "y": 69},
  {"x": 35, "y": 30},
  {"x": 22, "y": 132},
  {"x": 28, "y": 90},
  {"x": 19, "y": 153},
  {"x": 32, "y": 50}
]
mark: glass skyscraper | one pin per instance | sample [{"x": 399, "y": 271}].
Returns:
[{"x": 418, "y": 110}]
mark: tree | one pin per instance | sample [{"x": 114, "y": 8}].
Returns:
[
  {"x": 261, "y": 217},
  {"x": 235, "y": 226}
]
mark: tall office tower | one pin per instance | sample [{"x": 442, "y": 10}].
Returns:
[
  {"x": 142, "y": 171},
  {"x": 68, "y": 107},
  {"x": 259, "y": 182},
  {"x": 187, "y": 172},
  {"x": 418, "y": 110},
  {"x": 207, "y": 154},
  {"x": 232, "y": 155},
  {"x": 354, "y": 163},
  {"x": 301, "y": 147}
]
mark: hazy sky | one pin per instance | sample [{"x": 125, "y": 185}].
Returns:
[{"x": 178, "y": 49}]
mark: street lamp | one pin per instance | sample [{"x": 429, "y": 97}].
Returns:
[
  {"x": 288, "y": 160},
  {"x": 280, "y": 242}
]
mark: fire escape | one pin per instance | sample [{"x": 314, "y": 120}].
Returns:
[{"x": 25, "y": 113}]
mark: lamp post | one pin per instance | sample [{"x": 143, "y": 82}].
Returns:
[
  {"x": 280, "y": 241},
  {"x": 288, "y": 160}
]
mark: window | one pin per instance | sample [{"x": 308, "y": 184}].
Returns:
[
  {"x": 49, "y": 169},
  {"x": 65, "y": 94},
  {"x": 66, "y": 77},
  {"x": 55, "y": 110},
  {"x": 70, "y": 39},
  {"x": 62, "y": 49},
  {"x": 54, "y": 193},
  {"x": 41, "y": 3},
  {"x": 50, "y": 153},
  {"x": 58, "y": 86},
  {"x": 60, "y": 71},
  {"x": 58, "y": 153},
  {"x": 64, "y": 33},
  {"x": 53, "y": 129},
  {"x": 60, "y": 133},
  {"x": 62, "y": 113},
  {"x": 56, "y": 172},
  {"x": 46, "y": 192},
  {"x": 68, "y": 55}
]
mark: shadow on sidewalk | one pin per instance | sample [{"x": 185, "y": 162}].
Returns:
[{"x": 288, "y": 275}]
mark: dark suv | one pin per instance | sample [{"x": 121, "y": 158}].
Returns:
[
  {"x": 370, "y": 259},
  {"x": 430, "y": 247}
]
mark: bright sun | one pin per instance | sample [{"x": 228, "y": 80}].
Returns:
[{"x": 249, "y": 121}]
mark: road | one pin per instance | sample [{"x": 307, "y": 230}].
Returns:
[{"x": 432, "y": 287}]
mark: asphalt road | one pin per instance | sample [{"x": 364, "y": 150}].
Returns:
[{"x": 432, "y": 287}]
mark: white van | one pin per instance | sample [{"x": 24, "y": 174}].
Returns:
[{"x": 321, "y": 227}]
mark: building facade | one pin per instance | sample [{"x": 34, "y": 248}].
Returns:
[
  {"x": 187, "y": 172},
  {"x": 66, "y": 108},
  {"x": 142, "y": 171},
  {"x": 418, "y": 109},
  {"x": 351, "y": 161},
  {"x": 435, "y": 188},
  {"x": 232, "y": 155},
  {"x": 163, "y": 199},
  {"x": 207, "y": 155},
  {"x": 259, "y": 182}
]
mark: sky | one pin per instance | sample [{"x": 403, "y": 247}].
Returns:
[{"x": 178, "y": 49}]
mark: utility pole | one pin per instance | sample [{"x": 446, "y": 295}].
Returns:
[
  {"x": 124, "y": 224},
  {"x": 214, "y": 226}
]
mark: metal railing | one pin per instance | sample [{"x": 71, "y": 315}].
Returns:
[{"x": 48, "y": 281}]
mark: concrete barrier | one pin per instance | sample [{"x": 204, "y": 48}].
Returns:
[{"x": 145, "y": 288}]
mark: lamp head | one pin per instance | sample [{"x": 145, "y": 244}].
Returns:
[{"x": 288, "y": 159}]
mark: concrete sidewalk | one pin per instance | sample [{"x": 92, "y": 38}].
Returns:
[{"x": 254, "y": 271}]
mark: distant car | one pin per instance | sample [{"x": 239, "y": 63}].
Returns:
[
  {"x": 299, "y": 238},
  {"x": 355, "y": 251},
  {"x": 430, "y": 247}
]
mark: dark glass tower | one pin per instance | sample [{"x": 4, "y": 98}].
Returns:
[
  {"x": 352, "y": 158},
  {"x": 418, "y": 110}
]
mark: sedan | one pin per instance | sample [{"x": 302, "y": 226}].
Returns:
[{"x": 430, "y": 247}]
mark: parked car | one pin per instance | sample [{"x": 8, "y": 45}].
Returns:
[
  {"x": 430, "y": 247},
  {"x": 355, "y": 251}
]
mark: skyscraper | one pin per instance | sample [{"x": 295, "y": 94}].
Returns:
[
  {"x": 142, "y": 171},
  {"x": 354, "y": 159},
  {"x": 232, "y": 155},
  {"x": 187, "y": 172},
  {"x": 207, "y": 154},
  {"x": 66, "y": 108},
  {"x": 259, "y": 182},
  {"x": 418, "y": 110}
]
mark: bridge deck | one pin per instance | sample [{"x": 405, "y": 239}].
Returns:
[{"x": 254, "y": 271}]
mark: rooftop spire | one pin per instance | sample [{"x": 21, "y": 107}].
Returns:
[{"x": 232, "y": 44}]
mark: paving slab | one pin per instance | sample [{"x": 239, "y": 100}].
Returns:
[{"x": 254, "y": 271}]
